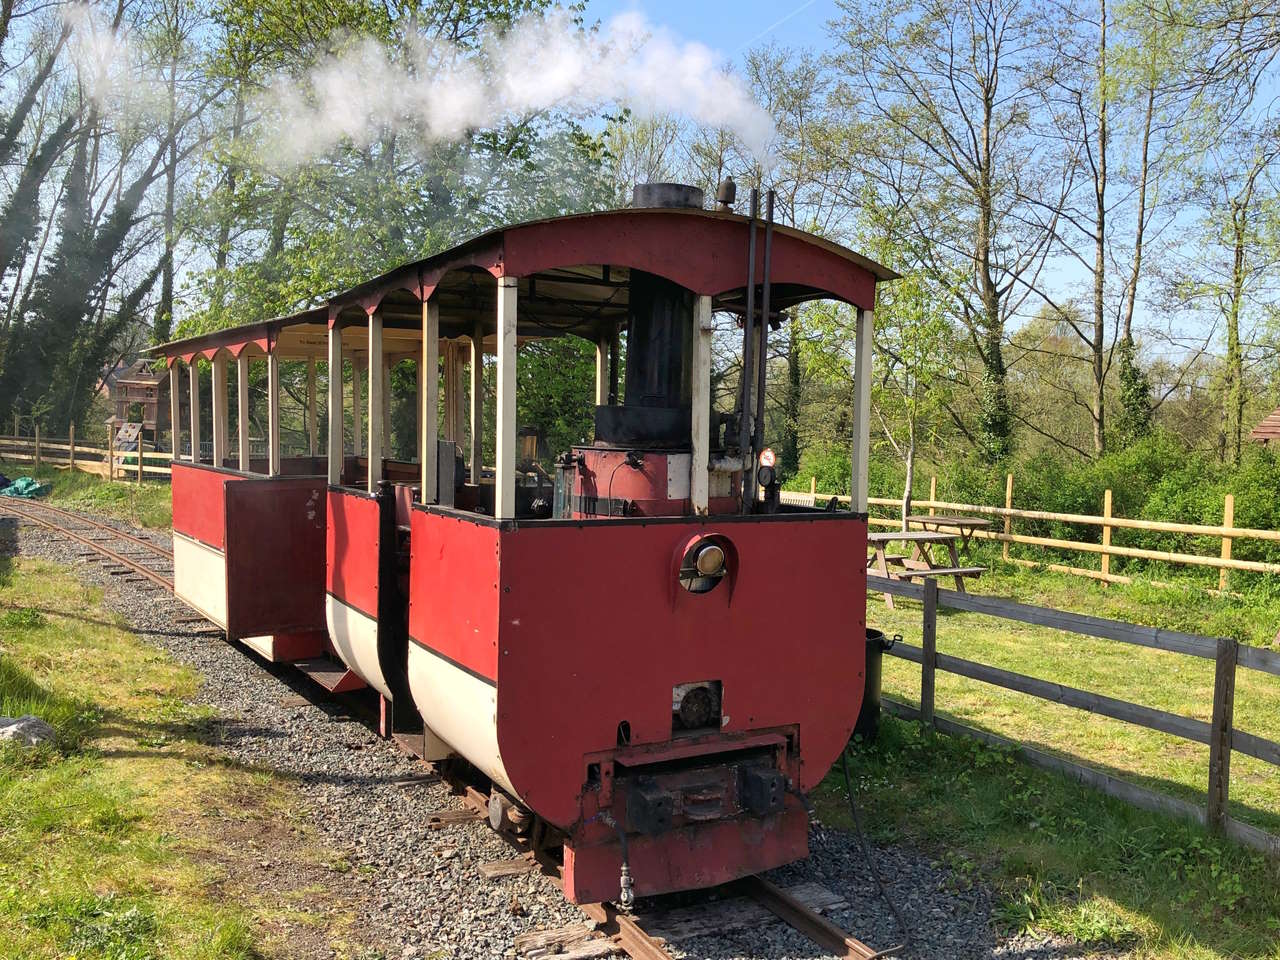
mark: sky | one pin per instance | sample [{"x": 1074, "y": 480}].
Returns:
[{"x": 731, "y": 27}]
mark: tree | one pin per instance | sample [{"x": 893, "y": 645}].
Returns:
[{"x": 960, "y": 83}]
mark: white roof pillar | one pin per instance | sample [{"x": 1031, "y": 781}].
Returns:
[
  {"x": 242, "y": 409},
  {"x": 377, "y": 380},
  {"x": 504, "y": 494},
  {"x": 477, "y": 402},
  {"x": 861, "y": 410},
  {"x": 428, "y": 399},
  {"x": 193, "y": 371},
  {"x": 220, "y": 402},
  {"x": 175, "y": 408},
  {"x": 273, "y": 413},
  {"x": 313, "y": 414},
  {"x": 336, "y": 451}
]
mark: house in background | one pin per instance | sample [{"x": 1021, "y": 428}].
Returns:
[
  {"x": 135, "y": 392},
  {"x": 1268, "y": 431}
]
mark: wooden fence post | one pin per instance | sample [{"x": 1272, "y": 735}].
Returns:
[
  {"x": 933, "y": 495},
  {"x": 1008, "y": 505},
  {"x": 71, "y": 450},
  {"x": 37, "y": 446},
  {"x": 1224, "y": 694},
  {"x": 111, "y": 451},
  {"x": 1228, "y": 520},
  {"x": 139, "y": 456},
  {"x": 813, "y": 490},
  {"x": 1106, "y": 537},
  {"x": 929, "y": 643}
]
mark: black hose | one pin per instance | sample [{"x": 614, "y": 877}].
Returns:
[{"x": 871, "y": 865}]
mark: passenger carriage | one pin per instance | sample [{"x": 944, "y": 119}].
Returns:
[{"x": 638, "y": 646}]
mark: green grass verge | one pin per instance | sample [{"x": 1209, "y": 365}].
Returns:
[
  {"x": 119, "y": 840},
  {"x": 148, "y": 505},
  {"x": 1167, "y": 681},
  {"x": 1064, "y": 859}
]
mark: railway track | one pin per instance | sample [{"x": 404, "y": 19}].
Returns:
[
  {"x": 616, "y": 930},
  {"x": 90, "y": 533}
]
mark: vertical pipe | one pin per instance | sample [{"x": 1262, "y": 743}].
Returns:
[
  {"x": 194, "y": 395},
  {"x": 477, "y": 402},
  {"x": 504, "y": 494},
  {"x": 336, "y": 445},
  {"x": 861, "y": 411},
  {"x": 273, "y": 413},
  {"x": 377, "y": 379},
  {"x": 699, "y": 482},
  {"x": 429, "y": 398},
  {"x": 762, "y": 361},
  {"x": 748, "y": 348},
  {"x": 242, "y": 410}
]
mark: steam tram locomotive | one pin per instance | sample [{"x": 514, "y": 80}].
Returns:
[{"x": 637, "y": 645}]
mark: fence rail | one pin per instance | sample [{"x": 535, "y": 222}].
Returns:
[
  {"x": 1227, "y": 533},
  {"x": 104, "y": 462},
  {"x": 1219, "y": 734}
]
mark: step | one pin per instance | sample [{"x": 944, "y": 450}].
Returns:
[{"x": 333, "y": 676}]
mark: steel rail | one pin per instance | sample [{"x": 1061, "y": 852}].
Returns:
[
  {"x": 154, "y": 547},
  {"x": 809, "y": 922},
  {"x": 124, "y": 561},
  {"x": 620, "y": 927}
]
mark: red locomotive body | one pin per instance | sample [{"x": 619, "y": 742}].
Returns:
[
  {"x": 638, "y": 646},
  {"x": 563, "y": 645}
]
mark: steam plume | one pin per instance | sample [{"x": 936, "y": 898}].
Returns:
[{"x": 438, "y": 92}]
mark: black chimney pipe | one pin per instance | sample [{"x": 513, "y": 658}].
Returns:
[{"x": 748, "y": 337}]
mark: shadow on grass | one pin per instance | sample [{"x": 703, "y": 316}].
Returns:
[
  {"x": 1064, "y": 858},
  {"x": 21, "y": 694}
]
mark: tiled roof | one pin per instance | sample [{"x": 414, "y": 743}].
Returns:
[{"x": 1268, "y": 429}]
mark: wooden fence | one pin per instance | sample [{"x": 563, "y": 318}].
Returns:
[
  {"x": 66, "y": 453},
  {"x": 1220, "y": 734},
  {"x": 1227, "y": 533}
]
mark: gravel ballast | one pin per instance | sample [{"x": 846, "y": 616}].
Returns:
[{"x": 417, "y": 891}]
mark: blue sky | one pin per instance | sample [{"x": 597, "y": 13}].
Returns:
[{"x": 731, "y": 26}]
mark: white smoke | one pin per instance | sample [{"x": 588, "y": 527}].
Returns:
[
  {"x": 436, "y": 91},
  {"x": 108, "y": 66}
]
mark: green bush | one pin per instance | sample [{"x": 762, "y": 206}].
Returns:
[{"x": 1155, "y": 478}]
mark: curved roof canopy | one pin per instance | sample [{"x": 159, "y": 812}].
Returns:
[{"x": 573, "y": 274}]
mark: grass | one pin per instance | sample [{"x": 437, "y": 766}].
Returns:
[
  {"x": 1167, "y": 681},
  {"x": 148, "y": 505},
  {"x": 1064, "y": 859},
  {"x": 130, "y": 838}
]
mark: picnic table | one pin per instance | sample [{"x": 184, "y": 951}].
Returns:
[
  {"x": 941, "y": 523},
  {"x": 921, "y": 561}
]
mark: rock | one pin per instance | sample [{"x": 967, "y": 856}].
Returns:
[{"x": 30, "y": 731}]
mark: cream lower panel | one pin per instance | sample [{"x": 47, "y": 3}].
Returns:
[
  {"x": 460, "y": 709},
  {"x": 200, "y": 578},
  {"x": 355, "y": 637},
  {"x": 264, "y": 646}
]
